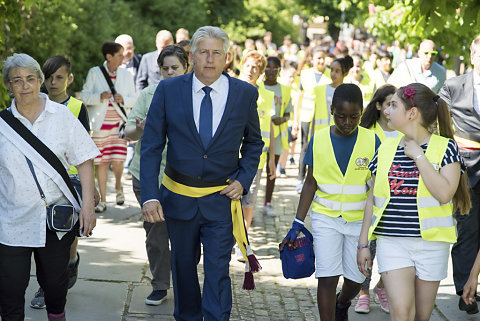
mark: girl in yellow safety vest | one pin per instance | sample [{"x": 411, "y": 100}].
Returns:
[
  {"x": 253, "y": 65},
  {"x": 375, "y": 119},
  {"x": 337, "y": 182},
  {"x": 280, "y": 116},
  {"x": 324, "y": 93},
  {"x": 417, "y": 186}
]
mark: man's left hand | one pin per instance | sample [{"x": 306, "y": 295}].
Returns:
[{"x": 234, "y": 190}]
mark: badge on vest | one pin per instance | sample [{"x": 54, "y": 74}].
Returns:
[{"x": 362, "y": 163}]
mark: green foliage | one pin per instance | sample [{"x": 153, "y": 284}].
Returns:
[
  {"x": 450, "y": 24},
  {"x": 75, "y": 28}
]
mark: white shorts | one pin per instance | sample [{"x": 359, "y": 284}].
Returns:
[
  {"x": 430, "y": 259},
  {"x": 335, "y": 242},
  {"x": 249, "y": 199}
]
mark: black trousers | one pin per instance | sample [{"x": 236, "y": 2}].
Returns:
[
  {"x": 51, "y": 262},
  {"x": 302, "y": 167},
  {"x": 465, "y": 250}
]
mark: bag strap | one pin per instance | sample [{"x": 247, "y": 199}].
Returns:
[
  {"x": 40, "y": 147},
  {"x": 42, "y": 195},
  {"x": 307, "y": 233},
  {"x": 112, "y": 87}
]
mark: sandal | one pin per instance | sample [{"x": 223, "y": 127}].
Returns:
[
  {"x": 120, "y": 197},
  {"x": 101, "y": 207}
]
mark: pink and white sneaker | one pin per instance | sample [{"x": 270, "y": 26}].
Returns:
[
  {"x": 363, "y": 304},
  {"x": 382, "y": 297}
]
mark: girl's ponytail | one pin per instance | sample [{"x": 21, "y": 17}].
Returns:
[{"x": 461, "y": 198}]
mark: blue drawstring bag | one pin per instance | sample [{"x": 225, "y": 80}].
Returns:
[{"x": 299, "y": 262}]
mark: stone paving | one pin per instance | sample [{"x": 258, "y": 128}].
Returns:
[{"x": 114, "y": 275}]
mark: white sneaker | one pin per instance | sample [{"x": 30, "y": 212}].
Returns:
[
  {"x": 268, "y": 210},
  {"x": 299, "y": 187},
  {"x": 239, "y": 254}
]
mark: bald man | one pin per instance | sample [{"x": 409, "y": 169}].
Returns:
[
  {"x": 131, "y": 60},
  {"x": 148, "y": 72},
  {"x": 422, "y": 69}
]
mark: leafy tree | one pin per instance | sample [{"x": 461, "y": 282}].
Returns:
[{"x": 450, "y": 24}]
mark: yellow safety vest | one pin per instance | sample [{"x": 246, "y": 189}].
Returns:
[
  {"x": 322, "y": 111},
  {"x": 378, "y": 130},
  {"x": 264, "y": 108},
  {"x": 308, "y": 81},
  {"x": 338, "y": 194},
  {"x": 282, "y": 128},
  {"x": 75, "y": 106},
  {"x": 436, "y": 220},
  {"x": 366, "y": 85}
]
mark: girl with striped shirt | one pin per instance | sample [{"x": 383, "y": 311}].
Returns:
[{"x": 418, "y": 183}]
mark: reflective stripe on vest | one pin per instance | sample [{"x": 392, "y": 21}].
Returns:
[
  {"x": 337, "y": 194},
  {"x": 378, "y": 130},
  {"x": 436, "y": 219},
  {"x": 322, "y": 110},
  {"x": 74, "y": 105},
  {"x": 339, "y": 206},
  {"x": 264, "y": 108}
]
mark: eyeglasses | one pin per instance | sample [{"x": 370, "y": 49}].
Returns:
[
  {"x": 272, "y": 69},
  {"x": 432, "y": 52},
  {"x": 20, "y": 83}
]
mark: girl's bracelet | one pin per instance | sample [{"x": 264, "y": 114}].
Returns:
[{"x": 362, "y": 246}]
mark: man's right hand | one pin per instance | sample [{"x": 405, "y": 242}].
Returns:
[{"x": 153, "y": 212}]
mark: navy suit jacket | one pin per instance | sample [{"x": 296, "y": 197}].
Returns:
[{"x": 171, "y": 115}]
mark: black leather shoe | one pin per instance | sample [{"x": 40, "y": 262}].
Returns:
[{"x": 471, "y": 308}]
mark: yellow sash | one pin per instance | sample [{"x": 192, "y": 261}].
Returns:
[{"x": 239, "y": 230}]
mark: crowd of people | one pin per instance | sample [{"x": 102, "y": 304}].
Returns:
[{"x": 388, "y": 167}]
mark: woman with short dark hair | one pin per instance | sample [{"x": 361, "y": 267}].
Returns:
[{"x": 106, "y": 117}]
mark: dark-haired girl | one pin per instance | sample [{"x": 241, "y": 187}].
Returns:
[
  {"x": 417, "y": 186},
  {"x": 324, "y": 93},
  {"x": 337, "y": 182},
  {"x": 374, "y": 118},
  {"x": 280, "y": 116}
]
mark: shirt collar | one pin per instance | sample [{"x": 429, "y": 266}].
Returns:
[
  {"x": 108, "y": 70},
  {"x": 198, "y": 85},
  {"x": 50, "y": 107},
  {"x": 476, "y": 79}
]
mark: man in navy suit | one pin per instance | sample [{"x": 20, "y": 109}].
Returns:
[
  {"x": 462, "y": 94},
  {"x": 208, "y": 118}
]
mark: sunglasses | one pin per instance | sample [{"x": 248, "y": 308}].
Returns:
[{"x": 433, "y": 53}]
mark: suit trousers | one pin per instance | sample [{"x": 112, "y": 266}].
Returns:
[
  {"x": 465, "y": 250},
  {"x": 158, "y": 249},
  {"x": 217, "y": 240},
  {"x": 52, "y": 275}
]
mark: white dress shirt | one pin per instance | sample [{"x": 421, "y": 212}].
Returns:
[
  {"x": 219, "y": 96},
  {"x": 22, "y": 211},
  {"x": 476, "y": 92}
]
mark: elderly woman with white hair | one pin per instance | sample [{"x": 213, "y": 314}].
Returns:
[{"x": 28, "y": 187}]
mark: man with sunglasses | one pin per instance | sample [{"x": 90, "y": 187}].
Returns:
[{"x": 422, "y": 69}]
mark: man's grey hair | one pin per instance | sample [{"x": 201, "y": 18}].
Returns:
[
  {"x": 209, "y": 32},
  {"x": 20, "y": 60},
  {"x": 475, "y": 45}
]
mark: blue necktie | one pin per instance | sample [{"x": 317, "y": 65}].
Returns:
[{"x": 206, "y": 117}]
